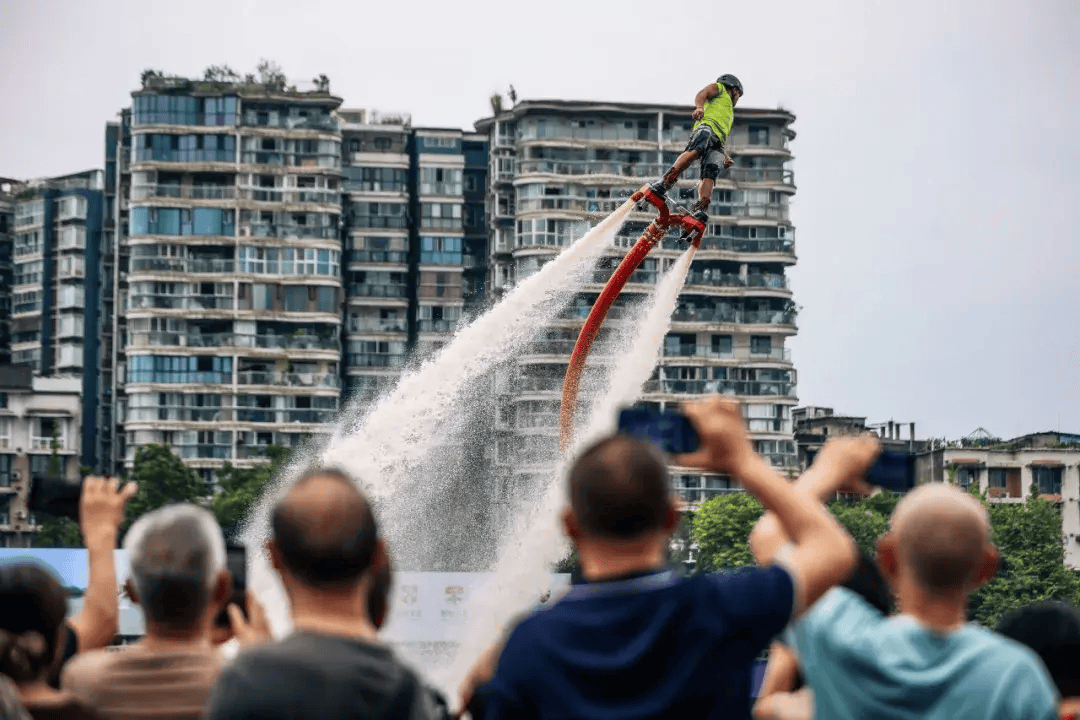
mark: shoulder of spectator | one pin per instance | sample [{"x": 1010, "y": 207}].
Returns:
[{"x": 85, "y": 668}]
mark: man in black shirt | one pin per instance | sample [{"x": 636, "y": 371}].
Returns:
[{"x": 325, "y": 547}]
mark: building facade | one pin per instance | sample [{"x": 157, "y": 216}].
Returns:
[
  {"x": 7, "y": 226},
  {"x": 40, "y": 419},
  {"x": 229, "y": 270},
  {"x": 1010, "y": 471},
  {"x": 56, "y": 284},
  {"x": 556, "y": 167}
]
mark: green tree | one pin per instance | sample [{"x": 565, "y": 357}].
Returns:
[
  {"x": 1033, "y": 559},
  {"x": 242, "y": 487},
  {"x": 865, "y": 519},
  {"x": 721, "y": 527},
  {"x": 163, "y": 479}
]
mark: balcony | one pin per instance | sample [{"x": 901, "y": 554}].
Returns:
[
  {"x": 255, "y": 118},
  {"x": 46, "y": 443},
  {"x": 707, "y": 278},
  {"x": 724, "y": 387},
  {"x": 739, "y": 245},
  {"x": 176, "y": 302},
  {"x": 312, "y": 380},
  {"x": 187, "y": 192},
  {"x": 287, "y": 231},
  {"x": 318, "y": 196},
  {"x": 371, "y": 290},
  {"x": 182, "y": 265},
  {"x": 294, "y": 342}
]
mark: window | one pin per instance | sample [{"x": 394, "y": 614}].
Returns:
[
  {"x": 760, "y": 344},
  {"x": 966, "y": 475},
  {"x": 5, "y": 461},
  {"x": 997, "y": 478},
  {"x": 179, "y": 110},
  {"x": 1048, "y": 479},
  {"x": 721, "y": 344},
  {"x": 759, "y": 135},
  {"x": 296, "y": 298},
  {"x": 327, "y": 300}
]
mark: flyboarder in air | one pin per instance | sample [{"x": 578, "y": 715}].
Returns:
[{"x": 714, "y": 111}]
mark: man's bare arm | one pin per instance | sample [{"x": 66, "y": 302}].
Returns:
[
  {"x": 101, "y": 510},
  {"x": 840, "y": 465},
  {"x": 823, "y": 553},
  {"x": 704, "y": 95}
]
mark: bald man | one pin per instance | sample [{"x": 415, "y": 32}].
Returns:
[
  {"x": 325, "y": 546},
  {"x": 927, "y": 661}
]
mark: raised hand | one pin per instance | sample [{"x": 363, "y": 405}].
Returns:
[{"x": 725, "y": 445}]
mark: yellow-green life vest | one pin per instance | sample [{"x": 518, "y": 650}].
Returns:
[{"x": 719, "y": 114}]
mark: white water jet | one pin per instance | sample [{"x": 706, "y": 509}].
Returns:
[
  {"x": 535, "y": 542},
  {"x": 385, "y": 447}
]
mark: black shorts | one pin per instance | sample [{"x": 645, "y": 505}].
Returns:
[{"x": 710, "y": 149}]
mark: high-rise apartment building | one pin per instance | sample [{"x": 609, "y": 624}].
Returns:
[
  {"x": 232, "y": 291},
  {"x": 7, "y": 225},
  {"x": 556, "y": 166},
  {"x": 56, "y": 284}
]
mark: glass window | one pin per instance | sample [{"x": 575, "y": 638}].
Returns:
[
  {"x": 965, "y": 476},
  {"x": 327, "y": 299},
  {"x": 295, "y": 298},
  {"x": 998, "y": 477},
  {"x": 721, "y": 344},
  {"x": 760, "y": 344},
  {"x": 1048, "y": 479}
]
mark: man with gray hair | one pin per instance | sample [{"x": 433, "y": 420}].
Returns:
[{"x": 178, "y": 577}]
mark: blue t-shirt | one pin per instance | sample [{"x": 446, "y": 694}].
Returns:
[
  {"x": 864, "y": 665},
  {"x": 652, "y": 646}
]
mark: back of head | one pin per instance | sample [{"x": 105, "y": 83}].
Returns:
[
  {"x": 1052, "y": 630},
  {"x": 324, "y": 531},
  {"x": 33, "y": 605},
  {"x": 619, "y": 488},
  {"x": 176, "y": 555},
  {"x": 942, "y": 536}
]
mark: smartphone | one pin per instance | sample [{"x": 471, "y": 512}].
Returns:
[
  {"x": 236, "y": 564},
  {"x": 671, "y": 430}
]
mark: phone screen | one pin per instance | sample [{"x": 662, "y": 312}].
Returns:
[
  {"x": 671, "y": 430},
  {"x": 236, "y": 564}
]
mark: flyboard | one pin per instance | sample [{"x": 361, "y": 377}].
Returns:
[{"x": 666, "y": 219}]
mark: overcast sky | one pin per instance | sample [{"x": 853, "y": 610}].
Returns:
[{"x": 937, "y": 158}]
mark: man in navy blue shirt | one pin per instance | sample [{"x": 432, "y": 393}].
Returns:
[{"x": 632, "y": 639}]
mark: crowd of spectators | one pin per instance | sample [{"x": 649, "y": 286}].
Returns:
[{"x": 848, "y": 635}]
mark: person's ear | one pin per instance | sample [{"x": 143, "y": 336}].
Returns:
[
  {"x": 887, "y": 561},
  {"x": 275, "y": 555},
  {"x": 132, "y": 593},
  {"x": 223, "y": 587},
  {"x": 671, "y": 519},
  {"x": 381, "y": 556},
  {"x": 571, "y": 526},
  {"x": 988, "y": 566}
]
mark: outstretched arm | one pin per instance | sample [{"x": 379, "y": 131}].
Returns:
[
  {"x": 840, "y": 465},
  {"x": 704, "y": 95},
  {"x": 823, "y": 553},
  {"x": 101, "y": 510}
]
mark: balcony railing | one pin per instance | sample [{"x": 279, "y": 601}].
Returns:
[
  {"x": 287, "y": 231},
  {"x": 292, "y": 195},
  {"x": 372, "y": 290},
  {"x": 182, "y": 265},
  {"x": 724, "y": 315},
  {"x": 715, "y": 242},
  {"x": 174, "y": 302},
  {"x": 190, "y": 192},
  {"x": 709, "y": 278},
  {"x": 254, "y": 377},
  {"x": 46, "y": 443},
  {"x": 724, "y": 387}
]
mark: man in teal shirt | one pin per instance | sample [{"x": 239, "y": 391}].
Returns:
[
  {"x": 714, "y": 112},
  {"x": 926, "y": 662}
]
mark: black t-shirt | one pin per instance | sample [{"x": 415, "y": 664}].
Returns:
[
  {"x": 318, "y": 676},
  {"x": 64, "y": 709}
]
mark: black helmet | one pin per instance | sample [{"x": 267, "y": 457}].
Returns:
[{"x": 730, "y": 81}]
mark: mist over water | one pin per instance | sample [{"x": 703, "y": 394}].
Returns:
[{"x": 417, "y": 451}]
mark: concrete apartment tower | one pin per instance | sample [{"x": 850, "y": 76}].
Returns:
[
  {"x": 558, "y": 166},
  {"x": 230, "y": 269}
]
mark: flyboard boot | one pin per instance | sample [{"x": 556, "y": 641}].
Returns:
[{"x": 694, "y": 223}]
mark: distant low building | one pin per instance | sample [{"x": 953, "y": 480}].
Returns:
[
  {"x": 39, "y": 416},
  {"x": 1046, "y": 463}
]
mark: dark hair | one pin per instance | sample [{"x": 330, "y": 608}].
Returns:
[
  {"x": 326, "y": 547},
  {"x": 33, "y": 605},
  {"x": 619, "y": 488},
  {"x": 1052, "y": 630}
]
